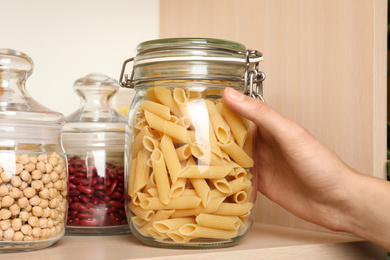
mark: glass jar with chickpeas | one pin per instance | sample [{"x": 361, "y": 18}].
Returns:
[
  {"x": 188, "y": 156},
  {"x": 33, "y": 167}
]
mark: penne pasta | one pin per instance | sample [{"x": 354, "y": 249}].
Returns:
[
  {"x": 166, "y": 127},
  {"x": 188, "y": 202},
  {"x": 145, "y": 214},
  {"x": 221, "y": 128},
  {"x": 183, "y": 152},
  {"x": 210, "y": 208},
  {"x": 235, "y": 123},
  {"x": 218, "y": 222},
  {"x": 150, "y": 143},
  {"x": 161, "y": 176},
  {"x": 158, "y": 109},
  {"x": 171, "y": 159},
  {"x": 202, "y": 189},
  {"x": 237, "y": 154},
  {"x": 178, "y": 188},
  {"x": 137, "y": 143},
  {"x": 179, "y": 238},
  {"x": 222, "y": 185},
  {"x": 239, "y": 197},
  {"x": 172, "y": 224},
  {"x": 151, "y": 95},
  {"x": 159, "y": 215},
  {"x": 233, "y": 209},
  {"x": 141, "y": 172},
  {"x": 130, "y": 183},
  {"x": 199, "y": 231},
  {"x": 164, "y": 95},
  {"x": 205, "y": 172}
]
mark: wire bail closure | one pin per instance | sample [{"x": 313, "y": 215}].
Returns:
[{"x": 253, "y": 78}]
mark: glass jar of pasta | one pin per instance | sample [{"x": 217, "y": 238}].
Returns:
[
  {"x": 188, "y": 157},
  {"x": 33, "y": 172},
  {"x": 94, "y": 141}
]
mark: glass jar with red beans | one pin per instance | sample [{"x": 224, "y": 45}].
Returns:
[{"x": 94, "y": 143}]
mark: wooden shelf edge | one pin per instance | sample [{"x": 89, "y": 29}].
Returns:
[{"x": 264, "y": 240}]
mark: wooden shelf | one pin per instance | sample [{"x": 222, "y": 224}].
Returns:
[{"x": 264, "y": 240}]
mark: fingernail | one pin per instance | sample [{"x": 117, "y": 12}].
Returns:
[{"x": 235, "y": 95}]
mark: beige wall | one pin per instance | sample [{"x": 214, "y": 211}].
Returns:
[{"x": 325, "y": 63}]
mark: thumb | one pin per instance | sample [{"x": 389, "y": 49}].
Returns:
[{"x": 256, "y": 111}]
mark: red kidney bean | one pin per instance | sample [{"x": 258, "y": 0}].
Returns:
[
  {"x": 81, "y": 181},
  {"x": 89, "y": 222},
  {"x": 99, "y": 193},
  {"x": 84, "y": 199},
  {"x": 112, "y": 187},
  {"x": 114, "y": 203},
  {"x": 114, "y": 219},
  {"x": 74, "y": 192},
  {"x": 85, "y": 189},
  {"x": 72, "y": 186},
  {"x": 95, "y": 200},
  {"x": 116, "y": 195},
  {"x": 80, "y": 207},
  {"x": 84, "y": 215},
  {"x": 99, "y": 187}
]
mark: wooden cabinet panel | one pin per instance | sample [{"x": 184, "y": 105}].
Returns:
[{"x": 325, "y": 63}]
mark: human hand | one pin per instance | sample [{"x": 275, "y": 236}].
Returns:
[{"x": 293, "y": 168}]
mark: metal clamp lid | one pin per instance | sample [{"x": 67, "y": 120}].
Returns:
[{"x": 252, "y": 76}]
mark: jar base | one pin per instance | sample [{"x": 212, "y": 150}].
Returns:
[
  {"x": 25, "y": 246},
  {"x": 101, "y": 231},
  {"x": 199, "y": 243}
]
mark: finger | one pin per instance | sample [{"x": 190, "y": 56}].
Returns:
[{"x": 256, "y": 111}]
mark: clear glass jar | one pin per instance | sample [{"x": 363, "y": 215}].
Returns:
[
  {"x": 94, "y": 137},
  {"x": 188, "y": 156},
  {"x": 33, "y": 172}
]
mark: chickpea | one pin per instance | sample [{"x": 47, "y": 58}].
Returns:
[
  {"x": 29, "y": 192},
  {"x": 23, "y": 186},
  {"x": 5, "y": 224},
  {"x": 46, "y": 212},
  {"x": 63, "y": 207},
  {"x": 49, "y": 185},
  {"x": 37, "y": 184},
  {"x": 5, "y": 214},
  {"x": 1, "y": 233},
  {"x": 43, "y": 223},
  {"x": 7, "y": 201},
  {"x": 58, "y": 169},
  {"x": 18, "y": 168},
  {"x": 29, "y": 167},
  {"x": 18, "y": 236},
  {"x": 9, "y": 234},
  {"x": 24, "y": 159},
  {"x": 28, "y": 208},
  {"x": 36, "y": 174},
  {"x": 15, "y": 193},
  {"x": 44, "y": 193},
  {"x": 63, "y": 174},
  {"x": 33, "y": 160},
  {"x": 42, "y": 158},
  {"x": 49, "y": 167},
  {"x": 16, "y": 181},
  {"x": 36, "y": 232},
  {"x": 45, "y": 233},
  {"x": 53, "y": 214},
  {"x": 54, "y": 176},
  {"x": 62, "y": 162},
  {"x": 53, "y": 232},
  {"x": 54, "y": 203},
  {"x": 25, "y": 176},
  {"x": 15, "y": 210},
  {"x": 53, "y": 193},
  {"x": 34, "y": 201},
  {"x": 26, "y": 229},
  {"x": 28, "y": 238},
  {"x": 16, "y": 224},
  {"x": 37, "y": 211},
  {"x": 50, "y": 223},
  {"x": 24, "y": 215},
  {"x": 6, "y": 177},
  {"x": 33, "y": 221},
  {"x": 41, "y": 166},
  {"x": 46, "y": 178},
  {"x": 58, "y": 185},
  {"x": 3, "y": 190},
  {"x": 23, "y": 202},
  {"x": 53, "y": 160},
  {"x": 44, "y": 203}
]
